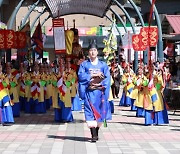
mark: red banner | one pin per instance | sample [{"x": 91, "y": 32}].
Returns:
[
  {"x": 2, "y": 39},
  {"x": 137, "y": 43},
  {"x": 15, "y": 46},
  {"x": 153, "y": 32},
  {"x": 149, "y": 36},
  {"x": 21, "y": 37},
  {"x": 19, "y": 40},
  {"x": 144, "y": 35},
  {"x": 9, "y": 39}
]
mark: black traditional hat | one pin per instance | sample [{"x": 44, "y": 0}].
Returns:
[{"x": 92, "y": 44}]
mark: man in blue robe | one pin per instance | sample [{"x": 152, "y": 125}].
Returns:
[{"x": 94, "y": 86}]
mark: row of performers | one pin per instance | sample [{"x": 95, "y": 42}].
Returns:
[
  {"x": 35, "y": 92},
  {"x": 144, "y": 93}
]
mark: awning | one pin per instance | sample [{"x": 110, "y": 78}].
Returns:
[
  {"x": 174, "y": 21},
  {"x": 172, "y": 37},
  {"x": 67, "y": 7}
]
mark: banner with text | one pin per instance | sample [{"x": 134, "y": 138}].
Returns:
[{"x": 59, "y": 35}]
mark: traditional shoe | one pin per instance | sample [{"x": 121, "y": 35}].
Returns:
[
  {"x": 93, "y": 134},
  {"x": 97, "y": 132}
]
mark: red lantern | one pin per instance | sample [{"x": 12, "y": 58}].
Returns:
[{"x": 2, "y": 39}]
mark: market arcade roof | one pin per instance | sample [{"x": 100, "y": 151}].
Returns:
[
  {"x": 174, "y": 21},
  {"x": 67, "y": 7}
]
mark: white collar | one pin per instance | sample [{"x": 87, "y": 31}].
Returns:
[
  {"x": 95, "y": 62},
  {"x": 105, "y": 57},
  {"x": 9, "y": 75},
  {"x": 36, "y": 73}
]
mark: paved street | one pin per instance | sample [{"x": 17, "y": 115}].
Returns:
[{"x": 125, "y": 134}]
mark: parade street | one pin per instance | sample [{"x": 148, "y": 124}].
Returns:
[{"x": 38, "y": 133}]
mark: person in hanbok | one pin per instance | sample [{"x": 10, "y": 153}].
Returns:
[
  {"x": 76, "y": 102},
  {"x": 131, "y": 88},
  {"x": 6, "y": 114},
  {"x": 94, "y": 87},
  {"x": 37, "y": 90},
  {"x": 67, "y": 84},
  {"x": 28, "y": 107},
  {"x": 126, "y": 79},
  {"x": 116, "y": 77},
  {"x": 133, "y": 92},
  {"x": 57, "y": 104},
  {"x": 110, "y": 104},
  {"x": 159, "y": 113},
  {"x": 148, "y": 100},
  {"x": 167, "y": 79},
  {"x": 13, "y": 90},
  {"x": 21, "y": 87},
  {"x": 139, "y": 85},
  {"x": 48, "y": 86},
  {"x": 41, "y": 107}
]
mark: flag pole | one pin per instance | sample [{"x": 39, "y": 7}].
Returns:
[{"x": 149, "y": 25}]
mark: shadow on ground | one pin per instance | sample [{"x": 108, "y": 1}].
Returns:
[
  {"x": 175, "y": 129},
  {"x": 128, "y": 123},
  {"x": 173, "y": 114},
  {"x": 174, "y": 119},
  {"x": 131, "y": 116},
  {"x": 73, "y": 138}
]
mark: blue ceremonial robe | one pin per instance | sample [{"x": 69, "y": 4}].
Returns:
[{"x": 95, "y": 101}]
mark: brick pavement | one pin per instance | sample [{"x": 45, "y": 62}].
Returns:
[{"x": 39, "y": 134}]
